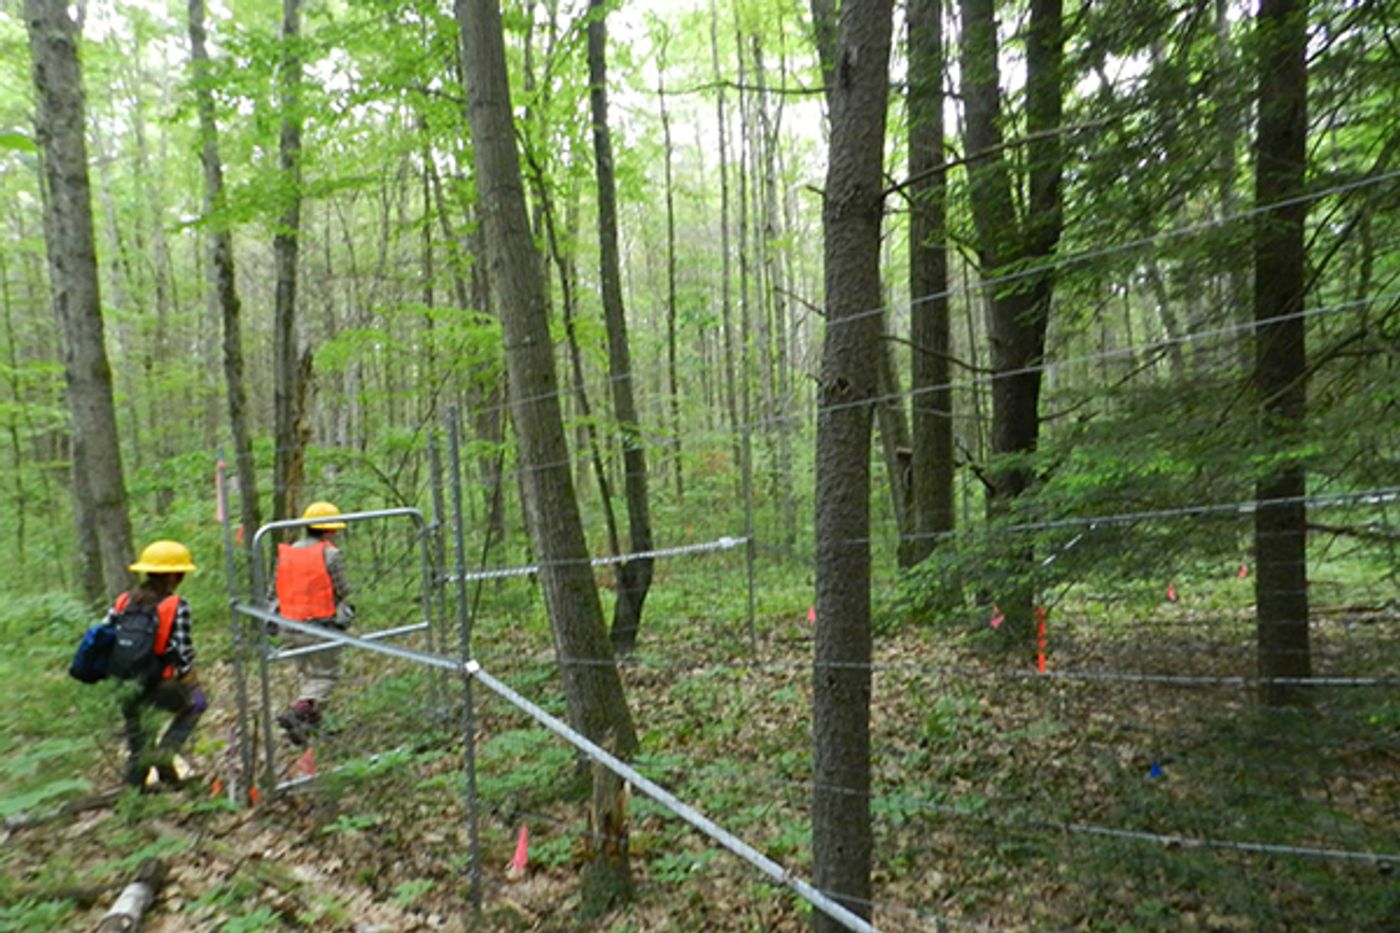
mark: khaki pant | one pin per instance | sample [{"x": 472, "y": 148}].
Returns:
[{"x": 319, "y": 671}]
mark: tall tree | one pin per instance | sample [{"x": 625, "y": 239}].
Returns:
[
  {"x": 287, "y": 393},
  {"x": 726, "y": 277},
  {"x": 99, "y": 501},
  {"x": 221, "y": 272},
  {"x": 889, "y": 410},
  {"x": 1009, "y": 239},
  {"x": 673, "y": 379},
  {"x": 852, "y": 206},
  {"x": 1280, "y": 259},
  {"x": 634, "y": 576},
  {"x": 932, "y": 442},
  {"x": 592, "y": 687}
]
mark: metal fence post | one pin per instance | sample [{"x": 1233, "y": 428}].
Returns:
[
  {"x": 236, "y": 633},
  {"x": 439, "y": 555},
  {"x": 464, "y": 628},
  {"x": 747, "y": 480},
  {"x": 259, "y": 599}
]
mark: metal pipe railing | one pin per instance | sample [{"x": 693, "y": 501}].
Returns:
[{"x": 640, "y": 782}]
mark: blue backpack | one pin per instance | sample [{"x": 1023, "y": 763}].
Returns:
[{"x": 94, "y": 652}]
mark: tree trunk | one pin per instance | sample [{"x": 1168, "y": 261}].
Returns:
[
  {"x": 726, "y": 283},
  {"x": 672, "y": 375},
  {"x": 592, "y": 686},
  {"x": 100, "y": 508},
  {"x": 221, "y": 275},
  {"x": 932, "y": 445},
  {"x": 1280, "y": 260},
  {"x": 779, "y": 401},
  {"x": 1019, "y": 311},
  {"x": 894, "y": 442},
  {"x": 851, "y": 214},
  {"x": 285, "y": 249},
  {"x": 634, "y": 576}
]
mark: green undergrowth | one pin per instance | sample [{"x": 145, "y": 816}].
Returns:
[{"x": 1008, "y": 801}]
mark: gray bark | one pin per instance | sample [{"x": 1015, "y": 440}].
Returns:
[
  {"x": 671, "y": 370},
  {"x": 634, "y": 575},
  {"x": 285, "y": 248},
  {"x": 100, "y": 506},
  {"x": 592, "y": 687},
  {"x": 726, "y": 283},
  {"x": 851, "y": 214},
  {"x": 221, "y": 275}
]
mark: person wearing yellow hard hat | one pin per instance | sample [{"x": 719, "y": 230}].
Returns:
[
  {"x": 312, "y": 586},
  {"x": 154, "y": 650}
]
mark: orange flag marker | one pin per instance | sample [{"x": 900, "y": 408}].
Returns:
[
  {"x": 306, "y": 764},
  {"x": 812, "y": 614},
  {"x": 1040, "y": 639},
  {"x": 997, "y": 618},
  {"x": 1171, "y": 593},
  {"x": 1243, "y": 572},
  {"x": 521, "y": 859}
]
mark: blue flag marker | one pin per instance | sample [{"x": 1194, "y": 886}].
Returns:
[{"x": 1156, "y": 771}]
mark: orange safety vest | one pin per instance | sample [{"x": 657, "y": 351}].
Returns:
[
  {"x": 165, "y": 617},
  {"x": 304, "y": 587}
]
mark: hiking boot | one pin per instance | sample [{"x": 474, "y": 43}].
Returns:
[{"x": 300, "y": 721}]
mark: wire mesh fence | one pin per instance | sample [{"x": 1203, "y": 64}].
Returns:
[{"x": 1119, "y": 767}]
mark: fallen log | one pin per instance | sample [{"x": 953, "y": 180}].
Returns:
[{"x": 135, "y": 898}]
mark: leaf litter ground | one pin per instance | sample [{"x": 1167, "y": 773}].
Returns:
[{"x": 993, "y": 795}]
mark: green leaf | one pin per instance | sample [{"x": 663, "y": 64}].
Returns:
[{"x": 17, "y": 142}]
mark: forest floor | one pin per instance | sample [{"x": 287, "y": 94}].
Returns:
[{"x": 1002, "y": 799}]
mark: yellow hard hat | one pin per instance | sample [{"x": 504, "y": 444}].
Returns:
[
  {"x": 323, "y": 510},
  {"x": 164, "y": 557}
]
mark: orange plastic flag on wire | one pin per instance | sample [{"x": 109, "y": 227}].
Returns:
[
  {"x": 997, "y": 618},
  {"x": 812, "y": 614},
  {"x": 1243, "y": 572},
  {"x": 1171, "y": 593}
]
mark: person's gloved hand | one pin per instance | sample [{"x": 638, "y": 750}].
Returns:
[{"x": 272, "y": 629}]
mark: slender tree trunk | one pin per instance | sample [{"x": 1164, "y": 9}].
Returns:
[
  {"x": 932, "y": 455},
  {"x": 895, "y": 447},
  {"x": 100, "y": 508},
  {"x": 221, "y": 274},
  {"x": 1227, "y": 162},
  {"x": 20, "y": 501},
  {"x": 285, "y": 249},
  {"x": 780, "y": 403},
  {"x": 726, "y": 282},
  {"x": 634, "y": 576},
  {"x": 1280, "y": 260},
  {"x": 592, "y": 687},
  {"x": 851, "y": 215},
  {"x": 564, "y": 263},
  {"x": 671, "y": 369},
  {"x": 486, "y": 404}
]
